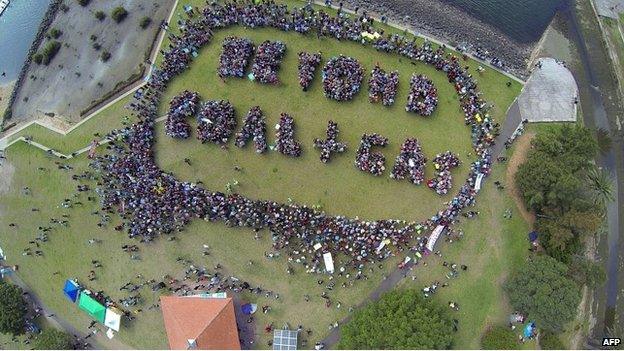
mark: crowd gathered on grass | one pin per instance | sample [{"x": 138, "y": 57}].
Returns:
[
  {"x": 383, "y": 86},
  {"x": 410, "y": 163},
  {"x": 423, "y": 96},
  {"x": 268, "y": 58},
  {"x": 254, "y": 127},
  {"x": 307, "y": 66},
  {"x": 153, "y": 202},
  {"x": 331, "y": 144}
]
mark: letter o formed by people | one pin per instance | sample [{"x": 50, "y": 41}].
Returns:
[{"x": 342, "y": 78}]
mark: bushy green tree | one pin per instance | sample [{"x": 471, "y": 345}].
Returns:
[
  {"x": 562, "y": 235},
  {"x": 52, "y": 339},
  {"x": 551, "y": 176},
  {"x": 399, "y": 320},
  {"x": 499, "y": 338},
  {"x": 587, "y": 272},
  {"x": 100, "y": 15},
  {"x": 542, "y": 290},
  {"x": 12, "y": 309}
]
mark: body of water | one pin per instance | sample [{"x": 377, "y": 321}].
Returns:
[
  {"x": 18, "y": 26},
  {"x": 522, "y": 20}
]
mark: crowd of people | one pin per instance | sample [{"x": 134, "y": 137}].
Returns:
[
  {"x": 285, "y": 136},
  {"x": 307, "y": 66},
  {"x": 330, "y": 144},
  {"x": 410, "y": 163},
  {"x": 235, "y": 57},
  {"x": 373, "y": 162},
  {"x": 268, "y": 58},
  {"x": 423, "y": 96},
  {"x": 254, "y": 127},
  {"x": 154, "y": 202},
  {"x": 181, "y": 107},
  {"x": 342, "y": 78},
  {"x": 216, "y": 122},
  {"x": 443, "y": 163},
  {"x": 383, "y": 86}
]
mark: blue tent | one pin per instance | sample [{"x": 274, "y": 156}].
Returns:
[
  {"x": 533, "y": 236},
  {"x": 249, "y": 308},
  {"x": 528, "y": 330},
  {"x": 71, "y": 290}
]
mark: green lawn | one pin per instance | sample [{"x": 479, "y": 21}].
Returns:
[{"x": 491, "y": 247}]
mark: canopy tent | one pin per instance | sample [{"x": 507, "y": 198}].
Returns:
[
  {"x": 249, "y": 308},
  {"x": 92, "y": 307},
  {"x": 284, "y": 339},
  {"x": 434, "y": 237},
  {"x": 533, "y": 236},
  {"x": 529, "y": 329},
  {"x": 113, "y": 318},
  {"x": 329, "y": 262},
  {"x": 71, "y": 290}
]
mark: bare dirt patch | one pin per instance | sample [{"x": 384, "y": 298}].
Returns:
[
  {"x": 77, "y": 77},
  {"x": 523, "y": 144}
]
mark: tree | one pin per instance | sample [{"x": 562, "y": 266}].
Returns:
[
  {"x": 100, "y": 15},
  {"x": 542, "y": 290},
  {"x": 119, "y": 14},
  {"x": 551, "y": 176},
  {"x": 12, "y": 309},
  {"x": 399, "y": 320},
  {"x": 601, "y": 185},
  {"x": 83, "y": 2},
  {"x": 563, "y": 235},
  {"x": 499, "y": 338},
  {"x": 587, "y": 272},
  {"x": 550, "y": 341},
  {"x": 52, "y": 339},
  {"x": 144, "y": 22}
]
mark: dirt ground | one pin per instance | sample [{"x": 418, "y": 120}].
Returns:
[
  {"x": 522, "y": 146},
  {"x": 76, "y": 77}
]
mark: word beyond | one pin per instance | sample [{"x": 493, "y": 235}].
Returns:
[
  {"x": 342, "y": 75},
  {"x": 216, "y": 123}
]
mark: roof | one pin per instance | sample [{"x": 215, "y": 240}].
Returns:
[
  {"x": 200, "y": 323},
  {"x": 284, "y": 339}
]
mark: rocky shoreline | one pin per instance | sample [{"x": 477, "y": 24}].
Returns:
[
  {"x": 443, "y": 21},
  {"x": 48, "y": 17}
]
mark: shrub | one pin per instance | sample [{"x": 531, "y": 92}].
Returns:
[
  {"x": 64, "y": 7},
  {"x": 401, "y": 319},
  {"x": 93, "y": 37},
  {"x": 119, "y": 14},
  {"x": 499, "y": 338},
  {"x": 105, "y": 56},
  {"x": 100, "y": 15},
  {"x": 38, "y": 58},
  {"x": 97, "y": 46},
  {"x": 55, "y": 33},
  {"x": 8, "y": 113},
  {"x": 47, "y": 53},
  {"x": 83, "y": 2},
  {"x": 52, "y": 339},
  {"x": 12, "y": 309},
  {"x": 144, "y": 22},
  {"x": 550, "y": 341}
]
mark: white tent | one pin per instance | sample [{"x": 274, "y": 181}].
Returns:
[
  {"x": 477, "y": 186},
  {"x": 434, "y": 237},
  {"x": 329, "y": 262},
  {"x": 113, "y": 318}
]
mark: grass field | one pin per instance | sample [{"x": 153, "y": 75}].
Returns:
[{"x": 491, "y": 247}]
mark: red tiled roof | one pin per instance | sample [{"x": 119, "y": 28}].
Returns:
[{"x": 209, "y": 321}]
